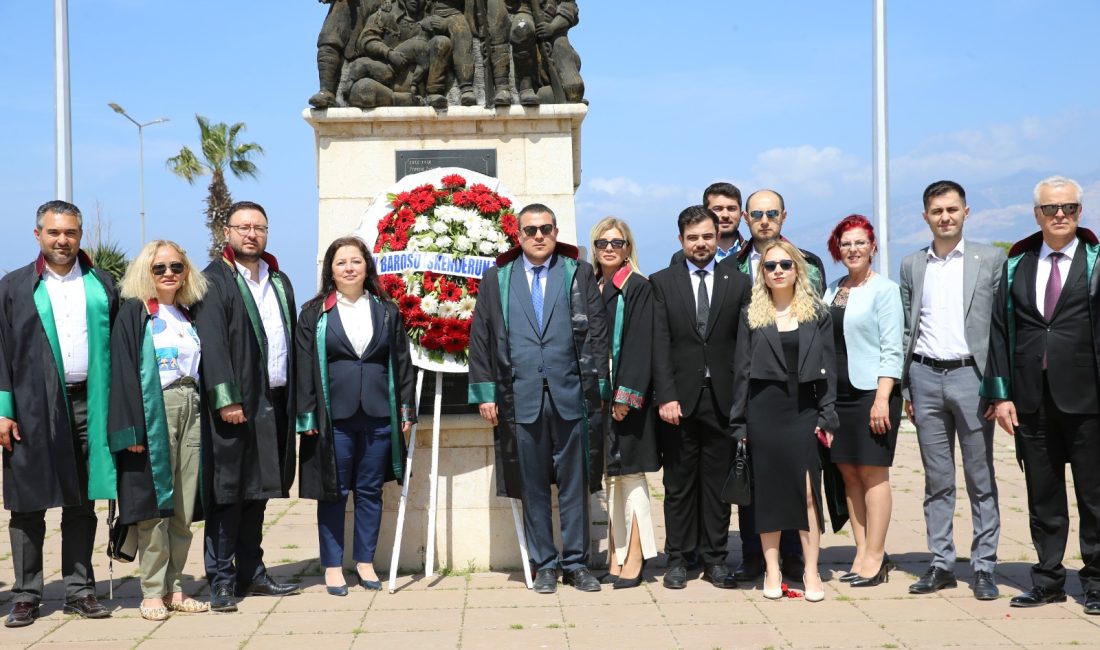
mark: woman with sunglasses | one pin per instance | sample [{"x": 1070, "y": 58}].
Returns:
[
  {"x": 867, "y": 326},
  {"x": 630, "y": 441},
  {"x": 154, "y": 422},
  {"x": 355, "y": 390},
  {"x": 783, "y": 405}
]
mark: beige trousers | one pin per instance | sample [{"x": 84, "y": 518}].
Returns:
[
  {"x": 627, "y": 499},
  {"x": 163, "y": 543}
]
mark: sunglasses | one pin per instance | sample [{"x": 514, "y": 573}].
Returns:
[
  {"x": 614, "y": 243},
  {"x": 545, "y": 229},
  {"x": 757, "y": 215},
  {"x": 786, "y": 265},
  {"x": 175, "y": 267},
  {"x": 1051, "y": 209}
]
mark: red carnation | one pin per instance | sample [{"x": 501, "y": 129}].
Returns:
[
  {"x": 417, "y": 319},
  {"x": 488, "y": 204},
  {"x": 472, "y": 286},
  {"x": 453, "y": 180},
  {"x": 462, "y": 199},
  {"x": 408, "y": 303},
  {"x": 401, "y": 198},
  {"x": 505, "y": 202},
  {"x": 455, "y": 344},
  {"x": 429, "y": 281},
  {"x": 451, "y": 292}
]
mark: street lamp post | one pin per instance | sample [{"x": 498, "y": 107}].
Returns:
[{"x": 141, "y": 156}]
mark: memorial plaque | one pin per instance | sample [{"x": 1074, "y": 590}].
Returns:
[{"x": 416, "y": 161}]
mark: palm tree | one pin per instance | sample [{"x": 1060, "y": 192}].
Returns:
[{"x": 220, "y": 151}]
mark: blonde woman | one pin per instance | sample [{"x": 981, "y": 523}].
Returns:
[
  {"x": 630, "y": 440},
  {"x": 154, "y": 421},
  {"x": 783, "y": 404}
]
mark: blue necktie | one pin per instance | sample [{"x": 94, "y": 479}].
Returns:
[{"x": 536, "y": 294}]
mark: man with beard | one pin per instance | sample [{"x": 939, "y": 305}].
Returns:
[
  {"x": 55, "y": 374},
  {"x": 724, "y": 200},
  {"x": 697, "y": 309},
  {"x": 245, "y": 322}
]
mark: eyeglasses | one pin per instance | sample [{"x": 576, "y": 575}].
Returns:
[
  {"x": 845, "y": 245},
  {"x": 786, "y": 265},
  {"x": 1051, "y": 209},
  {"x": 614, "y": 243},
  {"x": 757, "y": 215},
  {"x": 244, "y": 230},
  {"x": 545, "y": 229},
  {"x": 175, "y": 267}
]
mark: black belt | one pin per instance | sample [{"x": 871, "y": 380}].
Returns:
[
  {"x": 545, "y": 385},
  {"x": 945, "y": 364},
  {"x": 183, "y": 381},
  {"x": 78, "y": 388}
]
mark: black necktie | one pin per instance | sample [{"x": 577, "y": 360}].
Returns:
[{"x": 702, "y": 304}]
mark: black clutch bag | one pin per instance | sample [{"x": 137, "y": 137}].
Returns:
[
  {"x": 122, "y": 539},
  {"x": 738, "y": 487}
]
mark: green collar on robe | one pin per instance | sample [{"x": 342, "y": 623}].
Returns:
[
  {"x": 250, "y": 304},
  {"x": 156, "y": 420}
]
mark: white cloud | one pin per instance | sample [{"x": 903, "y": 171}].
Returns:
[
  {"x": 623, "y": 187},
  {"x": 806, "y": 169}
]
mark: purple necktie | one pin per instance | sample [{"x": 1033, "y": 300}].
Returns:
[{"x": 1054, "y": 287}]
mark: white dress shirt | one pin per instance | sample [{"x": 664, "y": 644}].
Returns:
[
  {"x": 1042, "y": 273},
  {"x": 942, "y": 313},
  {"x": 267, "y": 303},
  {"x": 754, "y": 263},
  {"x": 708, "y": 278},
  {"x": 355, "y": 317},
  {"x": 70, "y": 318},
  {"x": 176, "y": 344},
  {"x": 528, "y": 265}
]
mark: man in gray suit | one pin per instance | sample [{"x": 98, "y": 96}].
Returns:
[
  {"x": 947, "y": 293},
  {"x": 538, "y": 372}
]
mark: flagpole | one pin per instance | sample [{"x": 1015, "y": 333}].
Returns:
[
  {"x": 880, "y": 139},
  {"x": 62, "y": 108}
]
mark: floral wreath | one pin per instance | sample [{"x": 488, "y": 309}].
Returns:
[{"x": 456, "y": 220}]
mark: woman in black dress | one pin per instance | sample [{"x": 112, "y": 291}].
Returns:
[
  {"x": 783, "y": 403},
  {"x": 630, "y": 444},
  {"x": 867, "y": 326}
]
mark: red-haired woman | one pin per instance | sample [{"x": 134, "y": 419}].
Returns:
[{"x": 867, "y": 325}]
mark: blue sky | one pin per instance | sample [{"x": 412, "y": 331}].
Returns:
[{"x": 995, "y": 95}]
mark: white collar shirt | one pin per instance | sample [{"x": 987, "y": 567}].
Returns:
[
  {"x": 754, "y": 263},
  {"x": 70, "y": 318},
  {"x": 942, "y": 332},
  {"x": 267, "y": 304},
  {"x": 1042, "y": 272},
  {"x": 528, "y": 268},
  {"x": 356, "y": 319}
]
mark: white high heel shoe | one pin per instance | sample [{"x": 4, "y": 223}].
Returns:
[
  {"x": 773, "y": 594},
  {"x": 812, "y": 596}
]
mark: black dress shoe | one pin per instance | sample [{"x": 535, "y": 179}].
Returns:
[
  {"x": 222, "y": 600},
  {"x": 882, "y": 576},
  {"x": 984, "y": 586},
  {"x": 22, "y": 614},
  {"x": 792, "y": 567},
  {"x": 1092, "y": 602},
  {"x": 1038, "y": 596},
  {"x": 87, "y": 607},
  {"x": 751, "y": 569},
  {"x": 266, "y": 586},
  {"x": 581, "y": 579},
  {"x": 848, "y": 577},
  {"x": 675, "y": 578},
  {"x": 719, "y": 575},
  {"x": 933, "y": 580},
  {"x": 546, "y": 581},
  {"x": 630, "y": 583}
]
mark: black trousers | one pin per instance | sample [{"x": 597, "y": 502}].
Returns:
[
  {"x": 552, "y": 451},
  {"x": 1045, "y": 442},
  {"x": 697, "y": 457},
  {"x": 27, "y": 530}
]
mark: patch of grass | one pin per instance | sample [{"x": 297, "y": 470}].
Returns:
[
  {"x": 844, "y": 599},
  {"x": 889, "y": 645},
  {"x": 842, "y": 531},
  {"x": 290, "y": 546},
  {"x": 516, "y": 626},
  {"x": 452, "y": 572}
]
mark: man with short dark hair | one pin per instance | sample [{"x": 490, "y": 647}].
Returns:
[
  {"x": 55, "y": 375},
  {"x": 1044, "y": 379},
  {"x": 538, "y": 373},
  {"x": 697, "y": 308},
  {"x": 724, "y": 200},
  {"x": 246, "y": 323},
  {"x": 947, "y": 293}
]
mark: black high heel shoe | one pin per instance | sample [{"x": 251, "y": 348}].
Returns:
[
  {"x": 882, "y": 576},
  {"x": 848, "y": 576},
  {"x": 629, "y": 583}
]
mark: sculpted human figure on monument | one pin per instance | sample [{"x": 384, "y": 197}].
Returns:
[
  {"x": 400, "y": 61},
  {"x": 337, "y": 42},
  {"x": 453, "y": 18},
  {"x": 547, "y": 68}
]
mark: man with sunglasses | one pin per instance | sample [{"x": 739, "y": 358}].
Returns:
[
  {"x": 55, "y": 375},
  {"x": 1044, "y": 379},
  {"x": 724, "y": 200},
  {"x": 766, "y": 212},
  {"x": 246, "y": 323},
  {"x": 538, "y": 373},
  {"x": 697, "y": 308}
]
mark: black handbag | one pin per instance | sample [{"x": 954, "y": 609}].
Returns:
[
  {"x": 122, "y": 539},
  {"x": 738, "y": 487}
]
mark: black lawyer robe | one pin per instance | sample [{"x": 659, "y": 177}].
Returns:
[
  {"x": 43, "y": 470},
  {"x": 254, "y": 460}
]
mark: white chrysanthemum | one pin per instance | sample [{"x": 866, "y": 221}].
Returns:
[
  {"x": 449, "y": 213},
  {"x": 439, "y": 227},
  {"x": 429, "y": 305},
  {"x": 466, "y": 307},
  {"x": 447, "y": 309},
  {"x": 412, "y": 288},
  {"x": 486, "y": 247},
  {"x": 420, "y": 224},
  {"x": 422, "y": 242},
  {"x": 443, "y": 241},
  {"x": 504, "y": 246},
  {"x": 463, "y": 243}
]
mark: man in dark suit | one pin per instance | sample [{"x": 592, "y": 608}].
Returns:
[
  {"x": 538, "y": 372},
  {"x": 1043, "y": 378},
  {"x": 697, "y": 309}
]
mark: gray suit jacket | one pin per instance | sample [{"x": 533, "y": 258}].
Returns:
[{"x": 982, "y": 268}]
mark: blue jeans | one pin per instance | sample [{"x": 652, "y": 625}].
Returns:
[{"x": 362, "y": 446}]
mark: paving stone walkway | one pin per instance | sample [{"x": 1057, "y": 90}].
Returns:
[{"x": 494, "y": 610}]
